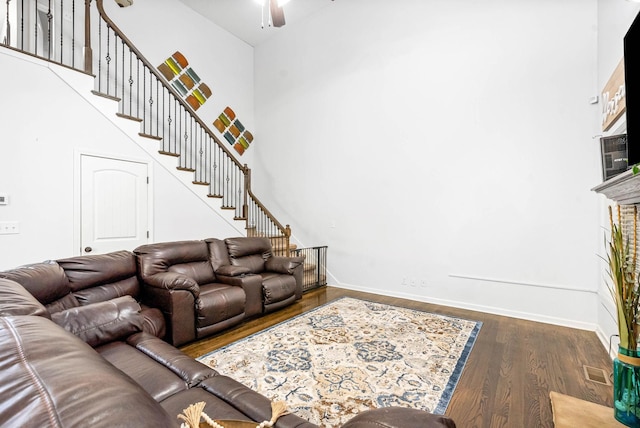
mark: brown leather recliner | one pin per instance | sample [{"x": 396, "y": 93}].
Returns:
[
  {"x": 281, "y": 277},
  {"x": 206, "y": 286},
  {"x": 179, "y": 279}
]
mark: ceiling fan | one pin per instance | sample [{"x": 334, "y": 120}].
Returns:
[{"x": 276, "y": 12}]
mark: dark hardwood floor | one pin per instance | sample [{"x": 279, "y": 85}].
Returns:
[{"x": 512, "y": 368}]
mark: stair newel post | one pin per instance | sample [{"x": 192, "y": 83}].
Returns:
[
  {"x": 247, "y": 185},
  {"x": 87, "y": 51},
  {"x": 287, "y": 233}
]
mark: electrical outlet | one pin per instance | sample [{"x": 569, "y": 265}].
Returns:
[
  {"x": 9, "y": 227},
  {"x": 423, "y": 283}
]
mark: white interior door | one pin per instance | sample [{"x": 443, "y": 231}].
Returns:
[{"x": 114, "y": 204}]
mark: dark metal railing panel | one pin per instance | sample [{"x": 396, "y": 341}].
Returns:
[
  {"x": 315, "y": 267},
  {"x": 45, "y": 29}
]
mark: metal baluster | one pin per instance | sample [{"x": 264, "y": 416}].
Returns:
[
  {"x": 61, "y": 31},
  {"x": 138, "y": 88},
  {"x": 73, "y": 33},
  {"x": 7, "y": 38},
  {"x": 108, "y": 60},
  {"x": 49, "y": 17},
  {"x": 35, "y": 14},
  {"x": 99, "y": 53}
]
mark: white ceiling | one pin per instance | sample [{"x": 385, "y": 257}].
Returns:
[{"x": 243, "y": 18}]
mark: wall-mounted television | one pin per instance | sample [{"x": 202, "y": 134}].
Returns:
[{"x": 632, "y": 90}]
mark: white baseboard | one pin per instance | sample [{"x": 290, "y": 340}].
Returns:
[{"x": 480, "y": 308}]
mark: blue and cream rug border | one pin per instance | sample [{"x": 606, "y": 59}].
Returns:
[{"x": 350, "y": 355}]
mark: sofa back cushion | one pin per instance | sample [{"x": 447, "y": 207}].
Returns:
[
  {"x": 250, "y": 252},
  {"x": 188, "y": 258},
  {"x": 16, "y": 300},
  {"x": 47, "y": 282},
  {"x": 102, "y": 277},
  {"x": 218, "y": 254},
  {"x": 76, "y": 388}
]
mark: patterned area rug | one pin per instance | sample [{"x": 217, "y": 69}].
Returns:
[{"x": 351, "y": 355}]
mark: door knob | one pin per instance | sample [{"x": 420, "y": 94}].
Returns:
[{"x": 88, "y": 249}]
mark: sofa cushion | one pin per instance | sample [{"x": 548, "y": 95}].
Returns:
[
  {"x": 200, "y": 271},
  {"x": 16, "y": 300},
  {"x": 277, "y": 288},
  {"x": 251, "y": 252},
  {"x": 102, "y": 322},
  {"x": 218, "y": 254},
  {"x": 219, "y": 302},
  {"x": 52, "y": 378},
  {"x": 46, "y": 281},
  {"x": 245, "y": 246},
  {"x": 94, "y": 270},
  {"x": 190, "y": 258},
  {"x": 155, "y": 378}
]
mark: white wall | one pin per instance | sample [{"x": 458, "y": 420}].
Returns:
[
  {"x": 443, "y": 150},
  {"x": 45, "y": 123},
  {"x": 614, "y": 19}
]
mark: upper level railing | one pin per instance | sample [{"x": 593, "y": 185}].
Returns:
[{"x": 66, "y": 32}]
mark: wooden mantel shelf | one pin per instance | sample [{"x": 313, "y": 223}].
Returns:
[{"x": 624, "y": 188}]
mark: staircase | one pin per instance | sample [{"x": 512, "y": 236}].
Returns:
[
  {"x": 143, "y": 97},
  {"x": 149, "y": 110}
]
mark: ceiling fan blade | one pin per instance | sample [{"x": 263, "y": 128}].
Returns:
[{"x": 277, "y": 13}]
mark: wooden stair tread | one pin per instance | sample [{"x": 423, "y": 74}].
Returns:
[
  {"x": 184, "y": 168},
  {"x": 107, "y": 96},
  {"x": 152, "y": 137},
  {"x": 175, "y": 155},
  {"x": 126, "y": 116}
]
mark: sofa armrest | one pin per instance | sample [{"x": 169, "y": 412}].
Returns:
[
  {"x": 172, "y": 281},
  {"x": 189, "y": 370},
  {"x": 102, "y": 322},
  {"x": 178, "y": 308},
  {"x": 253, "y": 404},
  {"x": 399, "y": 417},
  {"x": 284, "y": 265},
  {"x": 231, "y": 270}
]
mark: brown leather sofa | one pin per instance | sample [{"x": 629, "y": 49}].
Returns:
[
  {"x": 95, "y": 366},
  {"x": 206, "y": 286},
  {"x": 65, "y": 285}
]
